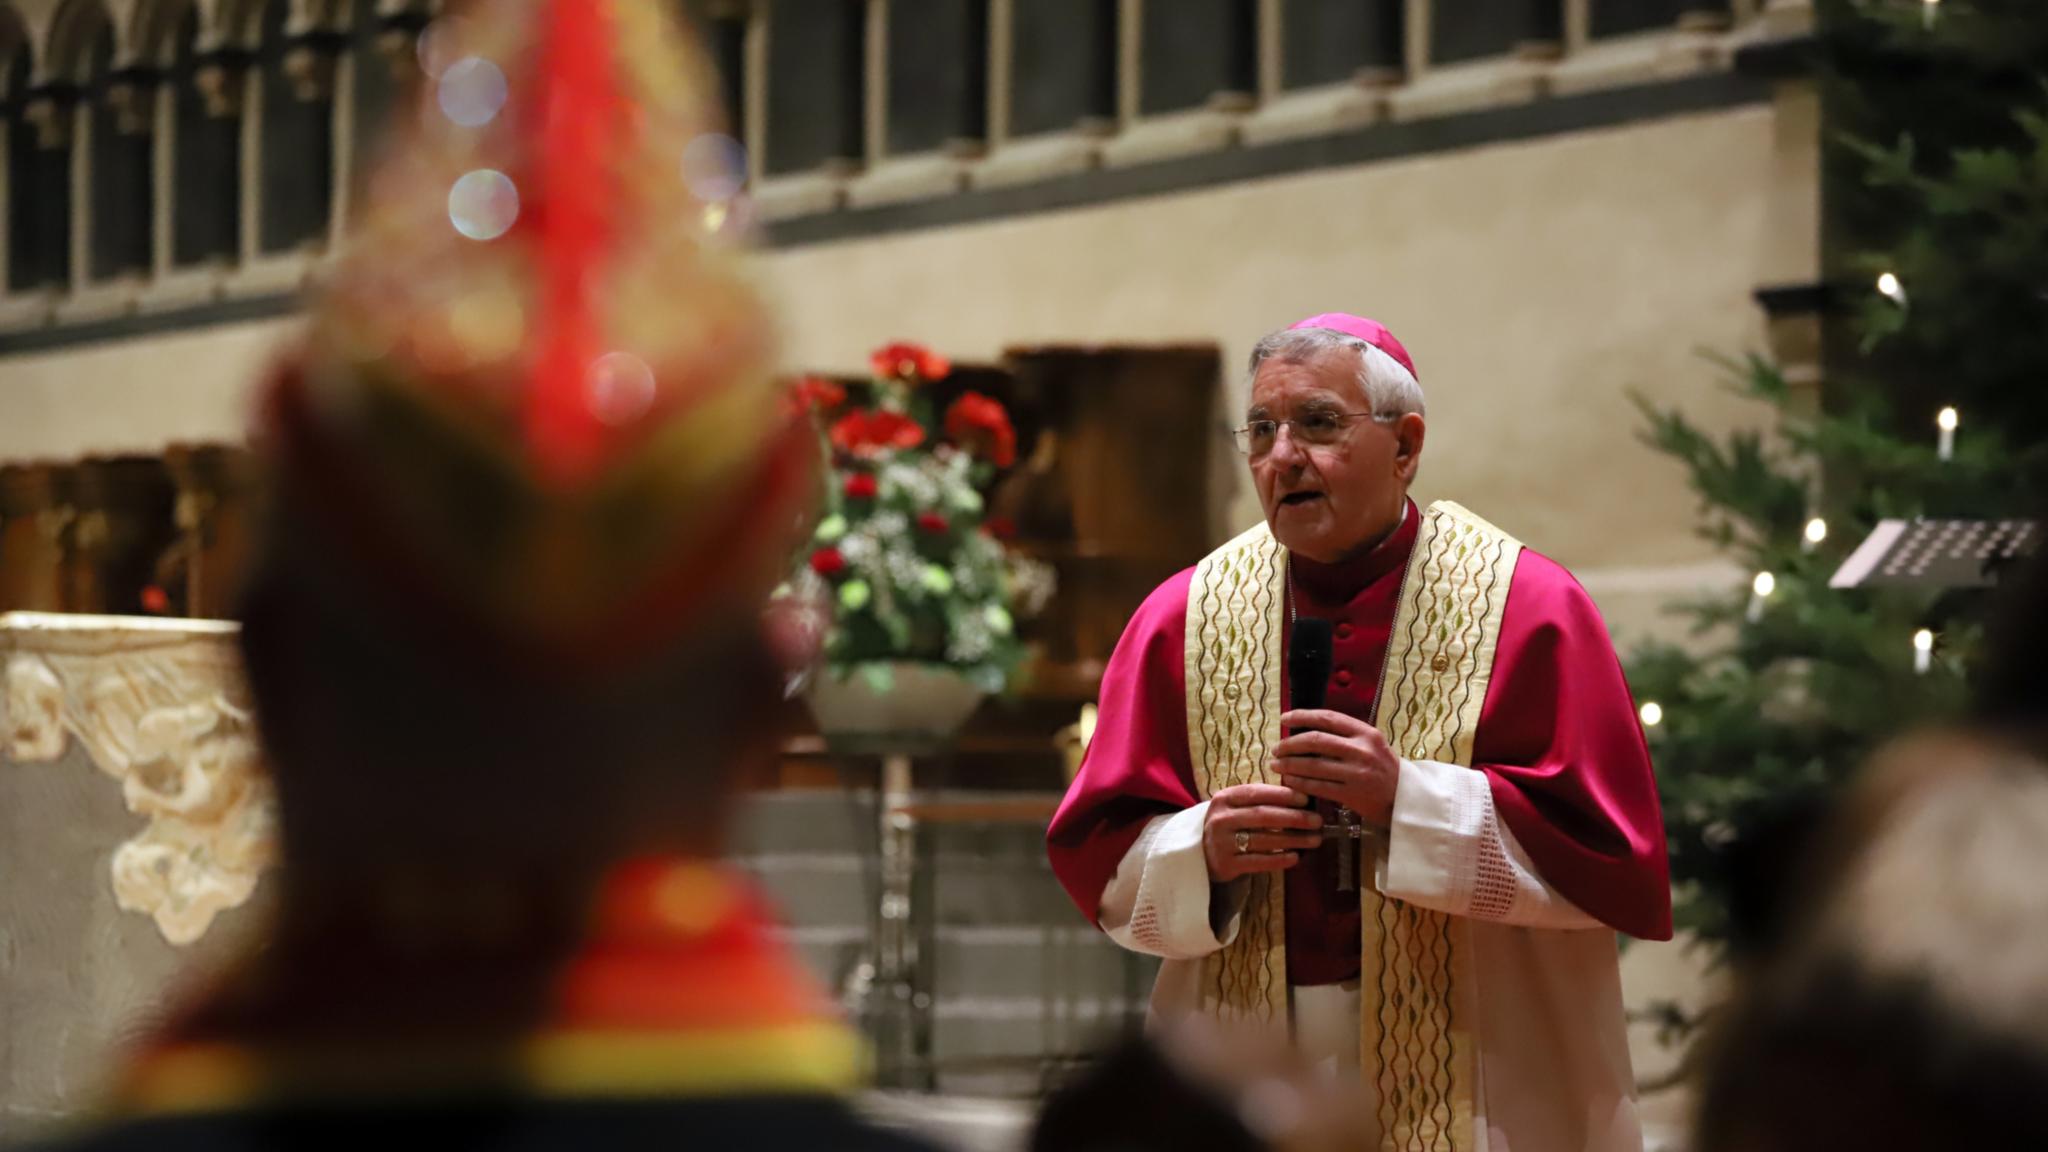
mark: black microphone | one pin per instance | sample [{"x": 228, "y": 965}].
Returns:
[{"x": 1308, "y": 663}]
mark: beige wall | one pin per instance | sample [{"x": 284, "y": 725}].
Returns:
[
  {"x": 1534, "y": 281},
  {"x": 134, "y": 395}
]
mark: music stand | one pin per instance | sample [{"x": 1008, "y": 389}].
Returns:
[{"x": 1937, "y": 553}]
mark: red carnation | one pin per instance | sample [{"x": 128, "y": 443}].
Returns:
[
  {"x": 819, "y": 394},
  {"x": 828, "y": 562},
  {"x": 913, "y": 362},
  {"x": 933, "y": 523},
  {"x": 863, "y": 433},
  {"x": 1001, "y": 527},
  {"x": 155, "y": 600},
  {"x": 861, "y": 486},
  {"x": 980, "y": 424}
]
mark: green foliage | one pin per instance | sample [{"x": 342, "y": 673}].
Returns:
[{"x": 1940, "y": 177}]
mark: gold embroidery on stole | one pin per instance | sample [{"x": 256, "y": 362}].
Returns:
[
  {"x": 1419, "y": 1003},
  {"x": 1415, "y": 982},
  {"x": 1236, "y": 604}
]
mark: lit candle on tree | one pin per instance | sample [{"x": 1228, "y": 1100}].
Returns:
[
  {"x": 1923, "y": 651},
  {"x": 1889, "y": 286},
  {"x": 1760, "y": 590},
  {"x": 1947, "y": 423},
  {"x": 1816, "y": 531}
]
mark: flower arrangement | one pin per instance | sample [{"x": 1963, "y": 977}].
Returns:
[{"x": 904, "y": 567}]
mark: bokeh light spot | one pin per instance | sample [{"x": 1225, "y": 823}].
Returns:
[
  {"x": 715, "y": 167},
  {"x": 471, "y": 91},
  {"x": 620, "y": 388},
  {"x": 483, "y": 205}
]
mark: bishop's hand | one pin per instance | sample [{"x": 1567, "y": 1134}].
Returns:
[
  {"x": 1257, "y": 828},
  {"x": 1341, "y": 758}
]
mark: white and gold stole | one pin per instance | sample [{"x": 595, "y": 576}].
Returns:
[{"x": 1415, "y": 982}]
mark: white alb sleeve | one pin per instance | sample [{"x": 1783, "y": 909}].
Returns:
[
  {"x": 1449, "y": 850},
  {"x": 1160, "y": 901}
]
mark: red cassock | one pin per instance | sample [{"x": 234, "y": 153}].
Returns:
[{"x": 1558, "y": 739}]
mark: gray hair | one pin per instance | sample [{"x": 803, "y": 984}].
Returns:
[{"x": 1391, "y": 389}]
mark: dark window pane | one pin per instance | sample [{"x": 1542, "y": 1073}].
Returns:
[
  {"x": 39, "y": 200},
  {"x": 1620, "y": 17},
  {"x": 298, "y": 149},
  {"x": 1332, "y": 41},
  {"x": 1063, "y": 64},
  {"x": 1195, "y": 49},
  {"x": 816, "y": 65},
  {"x": 725, "y": 40},
  {"x": 376, "y": 88},
  {"x": 1471, "y": 29},
  {"x": 123, "y": 183},
  {"x": 938, "y": 73},
  {"x": 206, "y": 178}
]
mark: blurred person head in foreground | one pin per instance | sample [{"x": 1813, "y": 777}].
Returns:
[
  {"x": 532, "y": 479},
  {"x": 1203, "y": 1085},
  {"x": 1911, "y": 1011}
]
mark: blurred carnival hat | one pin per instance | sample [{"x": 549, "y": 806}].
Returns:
[{"x": 537, "y": 397}]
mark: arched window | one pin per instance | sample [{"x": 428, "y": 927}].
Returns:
[
  {"x": 121, "y": 185},
  {"x": 298, "y": 139},
  {"x": 384, "y": 58},
  {"x": 1474, "y": 29},
  {"x": 1196, "y": 52},
  {"x": 1064, "y": 65},
  {"x": 817, "y": 78},
  {"x": 722, "y": 27},
  {"x": 1620, "y": 17},
  {"x": 938, "y": 75},
  {"x": 1340, "y": 41},
  {"x": 206, "y": 164},
  {"x": 39, "y": 141}
]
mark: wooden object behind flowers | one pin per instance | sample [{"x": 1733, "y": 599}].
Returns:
[
  {"x": 1117, "y": 494},
  {"x": 83, "y": 536},
  {"x": 1115, "y": 450},
  {"x": 34, "y": 522}
]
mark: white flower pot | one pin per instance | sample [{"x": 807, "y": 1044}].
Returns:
[{"x": 923, "y": 702}]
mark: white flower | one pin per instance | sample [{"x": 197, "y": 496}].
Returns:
[
  {"x": 1032, "y": 584},
  {"x": 917, "y": 486},
  {"x": 889, "y": 526},
  {"x": 906, "y": 570},
  {"x": 970, "y": 641}
]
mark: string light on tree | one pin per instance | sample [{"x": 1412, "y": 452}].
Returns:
[
  {"x": 1653, "y": 714},
  {"x": 1760, "y": 591},
  {"x": 1888, "y": 285},
  {"x": 1923, "y": 651},
  {"x": 1816, "y": 531},
  {"x": 1946, "y": 422},
  {"x": 1928, "y": 8}
]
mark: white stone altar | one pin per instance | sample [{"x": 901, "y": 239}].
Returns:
[{"x": 135, "y": 826}]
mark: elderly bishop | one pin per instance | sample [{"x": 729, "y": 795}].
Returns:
[{"x": 1421, "y": 878}]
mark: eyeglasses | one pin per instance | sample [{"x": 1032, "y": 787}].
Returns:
[{"x": 1316, "y": 430}]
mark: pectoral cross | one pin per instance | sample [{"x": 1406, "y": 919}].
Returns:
[{"x": 1350, "y": 829}]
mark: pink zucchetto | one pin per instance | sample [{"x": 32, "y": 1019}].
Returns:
[{"x": 1371, "y": 331}]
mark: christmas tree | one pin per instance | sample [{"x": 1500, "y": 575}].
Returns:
[{"x": 1933, "y": 403}]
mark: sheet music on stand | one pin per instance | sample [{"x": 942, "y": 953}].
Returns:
[{"x": 1938, "y": 553}]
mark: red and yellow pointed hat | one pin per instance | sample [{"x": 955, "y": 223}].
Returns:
[{"x": 538, "y": 391}]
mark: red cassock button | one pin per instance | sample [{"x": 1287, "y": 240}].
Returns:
[
  {"x": 1343, "y": 631},
  {"x": 1344, "y": 677}
]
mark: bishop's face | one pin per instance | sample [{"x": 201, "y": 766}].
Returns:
[{"x": 1335, "y": 490}]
